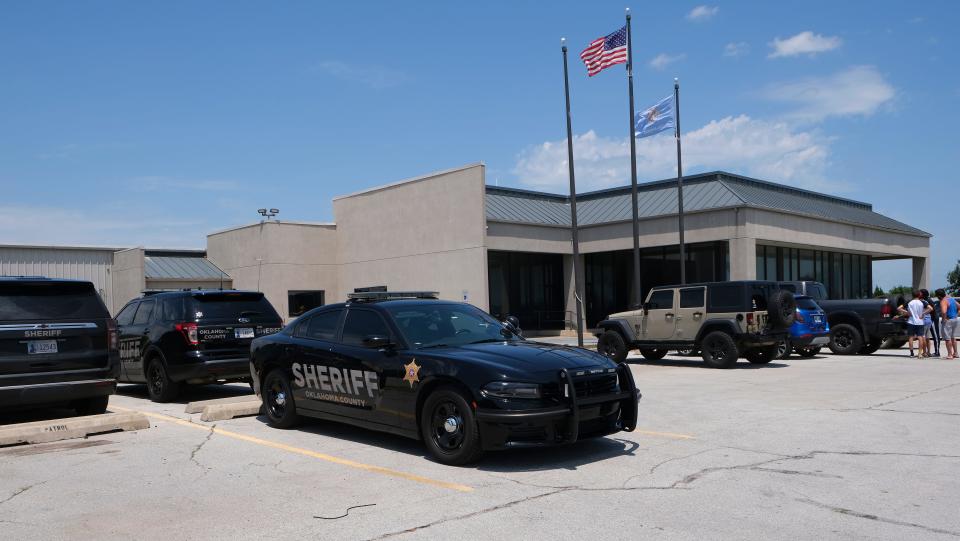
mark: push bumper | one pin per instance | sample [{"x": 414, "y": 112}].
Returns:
[
  {"x": 579, "y": 418},
  {"x": 38, "y": 394},
  {"x": 200, "y": 370}
]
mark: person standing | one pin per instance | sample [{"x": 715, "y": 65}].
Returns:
[
  {"x": 931, "y": 324},
  {"x": 948, "y": 312},
  {"x": 915, "y": 310}
]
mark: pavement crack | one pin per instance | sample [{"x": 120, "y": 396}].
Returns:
[
  {"x": 867, "y": 516},
  {"x": 199, "y": 446},
  {"x": 20, "y": 491},
  {"x": 667, "y": 461},
  {"x": 914, "y": 395}
]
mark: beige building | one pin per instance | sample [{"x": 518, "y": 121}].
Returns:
[{"x": 509, "y": 251}]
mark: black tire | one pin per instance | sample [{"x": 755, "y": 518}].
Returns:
[
  {"x": 449, "y": 427},
  {"x": 845, "y": 339},
  {"x": 159, "y": 385},
  {"x": 278, "y": 404},
  {"x": 718, "y": 350},
  {"x": 612, "y": 345},
  {"x": 806, "y": 351},
  {"x": 654, "y": 354},
  {"x": 762, "y": 355},
  {"x": 870, "y": 347},
  {"x": 782, "y": 309},
  {"x": 94, "y": 405},
  {"x": 784, "y": 349}
]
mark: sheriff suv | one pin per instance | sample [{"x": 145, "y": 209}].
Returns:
[
  {"x": 722, "y": 320},
  {"x": 191, "y": 337},
  {"x": 58, "y": 345}
]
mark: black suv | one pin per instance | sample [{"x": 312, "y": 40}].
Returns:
[
  {"x": 58, "y": 345},
  {"x": 193, "y": 337},
  {"x": 723, "y": 320}
]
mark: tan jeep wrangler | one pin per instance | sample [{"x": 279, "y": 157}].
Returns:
[{"x": 722, "y": 320}]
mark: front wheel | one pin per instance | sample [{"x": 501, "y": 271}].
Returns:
[
  {"x": 449, "y": 428},
  {"x": 719, "y": 350},
  {"x": 784, "y": 349},
  {"x": 653, "y": 354},
  {"x": 845, "y": 339},
  {"x": 278, "y": 400},
  {"x": 612, "y": 345}
]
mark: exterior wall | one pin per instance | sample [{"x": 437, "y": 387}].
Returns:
[
  {"x": 276, "y": 257},
  {"x": 128, "y": 277},
  {"x": 424, "y": 234},
  {"x": 91, "y": 264}
]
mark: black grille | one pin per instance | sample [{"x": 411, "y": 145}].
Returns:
[{"x": 595, "y": 385}]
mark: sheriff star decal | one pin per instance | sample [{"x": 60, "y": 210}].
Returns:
[{"x": 411, "y": 372}]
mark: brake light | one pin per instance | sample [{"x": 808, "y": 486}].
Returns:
[
  {"x": 800, "y": 316},
  {"x": 189, "y": 331},
  {"x": 886, "y": 310},
  {"x": 749, "y": 318},
  {"x": 113, "y": 340}
]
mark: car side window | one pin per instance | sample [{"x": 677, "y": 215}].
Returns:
[
  {"x": 322, "y": 326},
  {"x": 662, "y": 299},
  {"x": 726, "y": 298},
  {"x": 360, "y": 324},
  {"x": 125, "y": 317},
  {"x": 172, "y": 309},
  {"x": 143, "y": 313},
  {"x": 692, "y": 297}
]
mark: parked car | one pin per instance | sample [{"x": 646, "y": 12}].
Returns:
[
  {"x": 722, "y": 320},
  {"x": 58, "y": 345},
  {"x": 193, "y": 337},
  {"x": 442, "y": 372},
  {"x": 857, "y": 326},
  {"x": 810, "y": 330}
]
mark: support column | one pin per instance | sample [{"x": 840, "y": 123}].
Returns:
[
  {"x": 570, "y": 300},
  {"x": 743, "y": 258},
  {"x": 921, "y": 272}
]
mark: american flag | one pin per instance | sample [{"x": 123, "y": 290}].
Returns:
[{"x": 605, "y": 52}]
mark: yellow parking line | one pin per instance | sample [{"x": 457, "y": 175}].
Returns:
[
  {"x": 666, "y": 435},
  {"x": 301, "y": 451}
]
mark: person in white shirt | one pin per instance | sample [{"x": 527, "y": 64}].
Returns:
[{"x": 916, "y": 310}]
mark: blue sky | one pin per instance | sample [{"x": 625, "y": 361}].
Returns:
[{"x": 153, "y": 124}]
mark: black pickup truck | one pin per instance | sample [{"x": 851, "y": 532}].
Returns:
[{"x": 857, "y": 326}]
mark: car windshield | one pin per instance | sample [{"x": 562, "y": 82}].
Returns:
[{"x": 437, "y": 325}]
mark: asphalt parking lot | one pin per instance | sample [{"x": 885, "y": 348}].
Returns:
[{"x": 829, "y": 447}]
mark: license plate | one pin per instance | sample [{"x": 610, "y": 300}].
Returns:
[
  {"x": 817, "y": 319},
  {"x": 37, "y": 347},
  {"x": 243, "y": 333}
]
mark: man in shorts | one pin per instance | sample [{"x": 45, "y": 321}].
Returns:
[
  {"x": 916, "y": 309},
  {"x": 949, "y": 309}
]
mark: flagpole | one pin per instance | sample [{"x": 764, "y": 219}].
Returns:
[
  {"x": 676, "y": 118},
  {"x": 573, "y": 202},
  {"x": 637, "y": 293}
]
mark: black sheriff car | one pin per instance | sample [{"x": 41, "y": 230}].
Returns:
[{"x": 444, "y": 372}]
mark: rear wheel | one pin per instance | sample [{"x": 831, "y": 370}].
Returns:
[
  {"x": 806, "y": 351},
  {"x": 763, "y": 355},
  {"x": 845, "y": 339},
  {"x": 91, "y": 406},
  {"x": 653, "y": 354},
  {"x": 159, "y": 385},
  {"x": 718, "y": 350},
  {"x": 449, "y": 428},
  {"x": 612, "y": 345},
  {"x": 278, "y": 400}
]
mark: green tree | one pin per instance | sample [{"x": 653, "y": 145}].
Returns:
[
  {"x": 878, "y": 292},
  {"x": 900, "y": 290},
  {"x": 953, "y": 280}
]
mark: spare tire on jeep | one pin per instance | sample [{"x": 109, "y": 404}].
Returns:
[{"x": 782, "y": 309}]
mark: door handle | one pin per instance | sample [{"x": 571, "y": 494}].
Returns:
[
  {"x": 668, "y": 315},
  {"x": 697, "y": 315}
]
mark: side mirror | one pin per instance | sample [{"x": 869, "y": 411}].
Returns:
[
  {"x": 513, "y": 325},
  {"x": 377, "y": 341},
  {"x": 646, "y": 306}
]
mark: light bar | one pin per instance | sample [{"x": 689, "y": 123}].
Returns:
[{"x": 388, "y": 295}]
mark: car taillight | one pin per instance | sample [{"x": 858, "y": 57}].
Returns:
[
  {"x": 113, "y": 340},
  {"x": 800, "y": 316},
  {"x": 886, "y": 310},
  {"x": 749, "y": 318},
  {"x": 189, "y": 331}
]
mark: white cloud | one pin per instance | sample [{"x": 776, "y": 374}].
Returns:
[
  {"x": 736, "y": 49},
  {"x": 663, "y": 60},
  {"x": 376, "y": 77},
  {"x": 803, "y": 43},
  {"x": 702, "y": 13},
  {"x": 859, "y": 90},
  {"x": 769, "y": 150}
]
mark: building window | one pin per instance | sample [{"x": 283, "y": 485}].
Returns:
[
  {"x": 845, "y": 275},
  {"x": 299, "y": 302}
]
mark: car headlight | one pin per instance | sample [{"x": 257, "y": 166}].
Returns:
[{"x": 509, "y": 389}]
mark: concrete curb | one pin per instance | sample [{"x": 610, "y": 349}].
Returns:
[
  {"x": 197, "y": 407},
  {"x": 73, "y": 427},
  {"x": 223, "y": 412}
]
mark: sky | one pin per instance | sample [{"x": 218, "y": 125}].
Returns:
[{"x": 153, "y": 124}]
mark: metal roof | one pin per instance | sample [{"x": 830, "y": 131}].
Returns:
[
  {"x": 181, "y": 268},
  {"x": 708, "y": 191}
]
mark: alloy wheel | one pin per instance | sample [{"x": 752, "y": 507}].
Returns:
[{"x": 446, "y": 426}]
